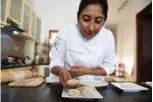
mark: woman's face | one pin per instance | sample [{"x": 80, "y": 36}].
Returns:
[{"x": 91, "y": 20}]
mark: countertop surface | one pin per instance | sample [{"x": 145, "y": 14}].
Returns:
[
  {"x": 19, "y": 66},
  {"x": 52, "y": 93}
]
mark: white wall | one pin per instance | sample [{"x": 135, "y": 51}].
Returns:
[
  {"x": 140, "y": 5},
  {"x": 126, "y": 37},
  {"x": 53, "y": 17},
  {"x": 56, "y": 13},
  {"x": 29, "y": 48}
]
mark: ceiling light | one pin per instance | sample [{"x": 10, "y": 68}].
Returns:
[{"x": 15, "y": 32}]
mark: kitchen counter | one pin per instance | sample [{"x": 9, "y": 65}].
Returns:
[
  {"x": 16, "y": 69},
  {"x": 52, "y": 93},
  {"x": 5, "y": 67},
  {"x": 13, "y": 66}
]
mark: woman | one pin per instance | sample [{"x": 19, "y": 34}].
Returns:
[{"x": 86, "y": 48}]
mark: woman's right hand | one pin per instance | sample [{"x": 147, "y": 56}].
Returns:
[{"x": 64, "y": 76}]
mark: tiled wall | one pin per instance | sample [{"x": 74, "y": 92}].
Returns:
[{"x": 11, "y": 45}]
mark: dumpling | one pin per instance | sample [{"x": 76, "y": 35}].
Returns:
[
  {"x": 89, "y": 88},
  {"x": 73, "y": 92},
  {"x": 73, "y": 82},
  {"x": 88, "y": 91}
]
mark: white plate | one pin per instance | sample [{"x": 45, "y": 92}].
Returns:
[
  {"x": 97, "y": 95},
  {"x": 130, "y": 87},
  {"x": 95, "y": 83}
]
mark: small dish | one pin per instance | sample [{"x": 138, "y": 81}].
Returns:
[{"x": 129, "y": 87}]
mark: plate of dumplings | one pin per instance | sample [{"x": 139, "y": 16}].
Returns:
[{"x": 83, "y": 92}]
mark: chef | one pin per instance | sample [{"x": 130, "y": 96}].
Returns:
[{"x": 85, "y": 48}]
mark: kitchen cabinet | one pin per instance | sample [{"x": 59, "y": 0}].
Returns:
[
  {"x": 16, "y": 9},
  {"x": 21, "y": 13},
  {"x": 33, "y": 30},
  {"x": 38, "y": 28},
  {"x": 3, "y": 11},
  {"x": 27, "y": 19}
]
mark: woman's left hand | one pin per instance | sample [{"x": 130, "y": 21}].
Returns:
[{"x": 78, "y": 71}]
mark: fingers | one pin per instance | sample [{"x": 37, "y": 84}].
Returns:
[
  {"x": 71, "y": 86},
  {"x": 61, "y": 80},
  {"x": 75, "y": 67},
  {"x": 73, "y": 75},
  {"x": 75, "y": 72},
  {"x": 75, "y": 86},
  {"x": 69, "y": 76},
  {"x": 66, "y": 85},
  {"x": 72, "y": 70},
  {"x": 78, "y": 67},
  {"x": 64, "y": 76}
]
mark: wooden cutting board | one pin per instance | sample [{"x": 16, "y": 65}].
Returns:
[
  {"x": 10, "y": 76},
  {"x": 30, "y": 82}
]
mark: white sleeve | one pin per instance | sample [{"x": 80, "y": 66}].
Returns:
[
  {"x": 57, "y": 53},
  {"x": 109, "y": 61}
]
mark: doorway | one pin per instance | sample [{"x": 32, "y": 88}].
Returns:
[
  {"x": 52, "y": 36},
  {"x": 144, "y": 44}
]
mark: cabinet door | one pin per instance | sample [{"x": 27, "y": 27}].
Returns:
[
  {"x": 38, "y": 29},
  {"x": 3, "y": 10},
  {"x": 33, "y": 32},
  {"x": 26, "y": 20},
  {"x": 16, "y": 8}
]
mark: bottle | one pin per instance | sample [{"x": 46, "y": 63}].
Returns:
[{"x": 120, "y": 70}]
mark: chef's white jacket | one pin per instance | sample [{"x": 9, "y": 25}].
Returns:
[{"x": 71, "y": 48}]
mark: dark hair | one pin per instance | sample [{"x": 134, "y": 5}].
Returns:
[{"x": 85, "y": 3}]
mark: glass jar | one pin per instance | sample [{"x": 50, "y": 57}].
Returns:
[{"x": 120, "y": 70}]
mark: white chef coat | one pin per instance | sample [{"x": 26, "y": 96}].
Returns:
[{"x": 71, "y": 48}]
